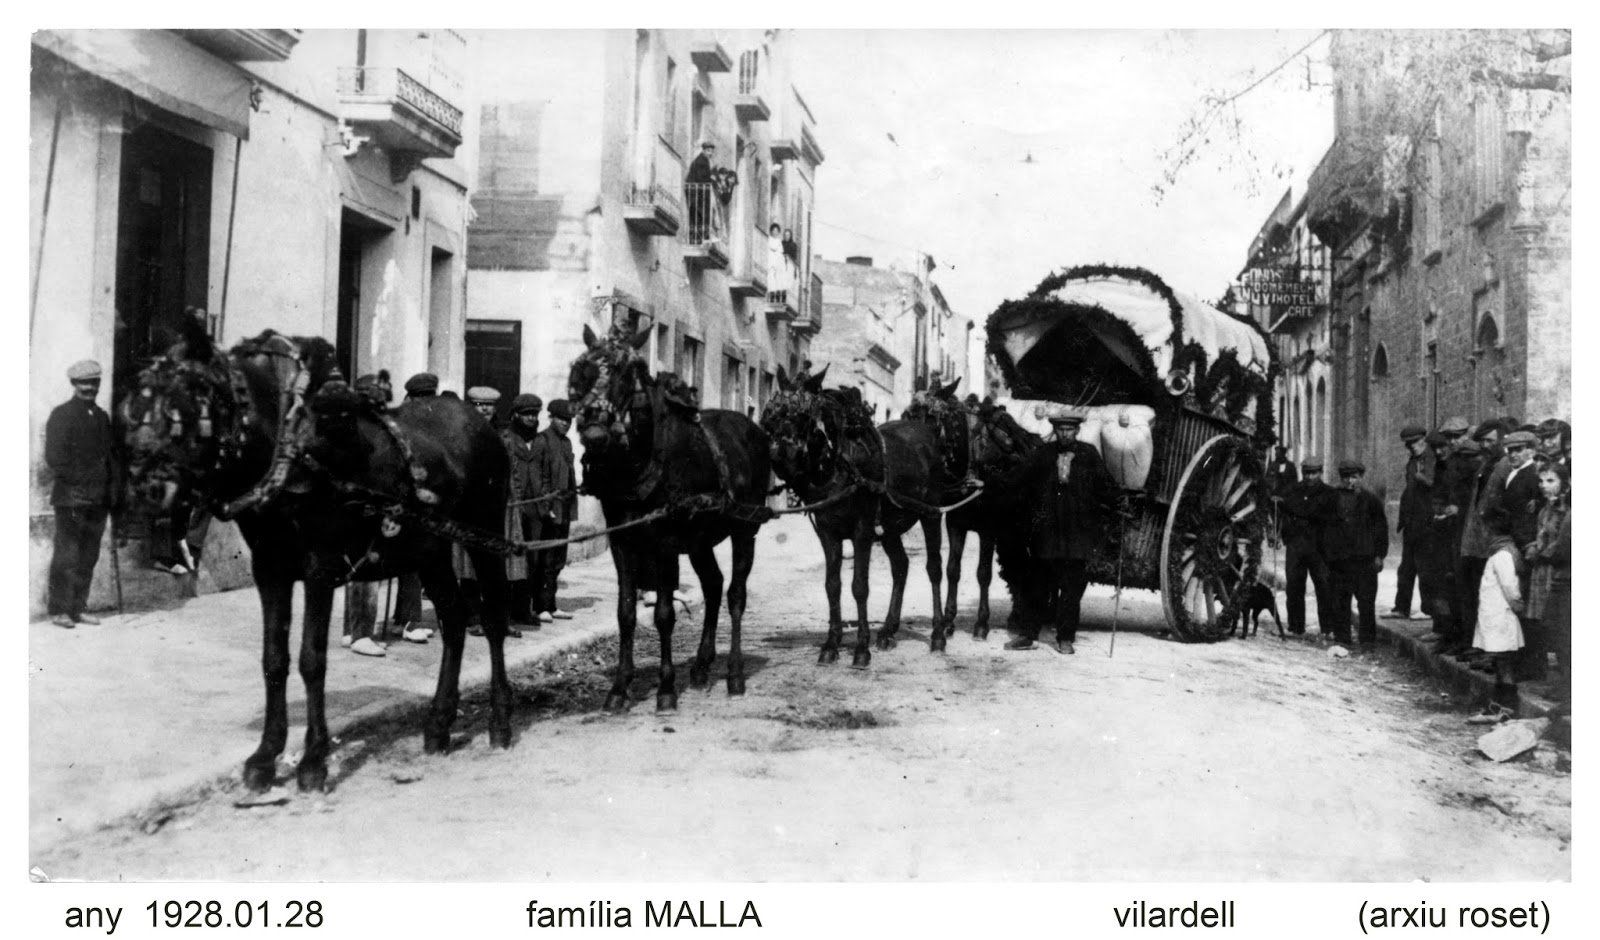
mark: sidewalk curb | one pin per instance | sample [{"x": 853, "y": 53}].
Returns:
[
  {"x": 1476, "y": 686},
  {"x": 474, "y": 677}
]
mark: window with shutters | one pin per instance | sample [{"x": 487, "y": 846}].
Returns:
[
  {"x": 1432, "y": 194},
  {"x": 1488, "y": 154}
]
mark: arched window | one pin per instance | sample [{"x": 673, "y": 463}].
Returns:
[
  {"x": 1380, "y": 362},
  {"x": 1488, "y": 334}
]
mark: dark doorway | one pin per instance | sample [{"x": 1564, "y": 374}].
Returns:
[
  {"x": 494, "y": 358},
  {"x": 357, "y": 235},
  {"x": 163, "y": 243}
]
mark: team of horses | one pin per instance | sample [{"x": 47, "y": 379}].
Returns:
[{"x": 328, "y": 487}]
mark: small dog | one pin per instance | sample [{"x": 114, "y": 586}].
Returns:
[{"x": 1259, "y": 599}]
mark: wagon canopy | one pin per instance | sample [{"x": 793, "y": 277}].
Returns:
[{"x": 1102, "y": 335}]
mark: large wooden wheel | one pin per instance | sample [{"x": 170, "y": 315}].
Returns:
[{"x": 1212, "y": 542}]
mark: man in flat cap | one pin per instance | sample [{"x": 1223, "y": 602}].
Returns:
[
  {"x": 1355, "y": 545},
  {"x": 1555, "y": 443},
  {"x": 1515, "y": 511},
  {"x": 1477, "y": 537},
  {"x": 1307, "y": 509},
  {"x": 1073, "y": 497},
  {"x": 1415, "y": 524},
  {"x": 77, "y": 449},
  {"x": 519, "y": 437},
  {"x": 697, "y": 189},
  {"x": 554, "y": 474},
  {"x": 422, "y": 385},
  {"x": 485, "y": 400}
]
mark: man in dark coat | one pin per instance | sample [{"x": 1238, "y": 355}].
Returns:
[
  {"x": 697, "y": 192},
  {"x": 1515, "y": 510},
  {"x": 1307, "y": 510},
  {"x": 1281, "y": 473},
  {"x": 77, "y": 448},
  {"x": 1073, "y": 498},
  {"x": 554, "y": 470},
  {"x": 1415, "y": 525},
  {"x": 1354, "y": 545},
  {"x": 520, "y": 436},
  {"x": 1476, "y": 534}
]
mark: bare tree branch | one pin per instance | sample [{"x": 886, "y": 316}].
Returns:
[{"x": 1528, "y": 81}]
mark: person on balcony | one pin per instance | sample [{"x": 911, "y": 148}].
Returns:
[
  {"x": 697, "y": 192},
  {"x": 777, "y": 266}
]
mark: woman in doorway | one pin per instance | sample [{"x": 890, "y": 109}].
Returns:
[{"x": 777, "y": 266}]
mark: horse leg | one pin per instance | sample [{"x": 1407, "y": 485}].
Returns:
[
  {"x": 833, "y": 560},
  {"x": 277, "y": 599},
  {"x": 933, "y": 538},
  {"x": 496, "y": 599},
  {"x": 859, "y": 586},
  {"x": 312, "y": 772},
  {"x": 666, "y": 614},
  {"x": 704, "y": 562},
  {"x": 980, "y": 627},
  {"x": 744, "y": 558},
  {"x": 439, "y": 581},
  {"x": 627, "y": 619},
  {"x": 952, "y": 570},
  {"x": 899, "y": 564}
]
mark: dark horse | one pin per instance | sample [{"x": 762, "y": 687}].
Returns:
[
  {"x": 999, "y": 445},
  {"x": 327, "y": 488},
  {"x": 881, "y": 481},
  {"x": 648, "y": 448}
]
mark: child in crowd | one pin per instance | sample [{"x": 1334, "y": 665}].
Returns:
[
  {"x": 1549, "y": 557},
  {"x": 1499, "y": 630}
]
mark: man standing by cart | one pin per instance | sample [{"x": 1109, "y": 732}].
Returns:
[
  {"x": 1354, "y": 546},
  {"x": 77, "y": 448},
  {"x": 1073, "y": 496},
  {"x": 1415, "y": 527},
  {"x": 1308, "y": 508}
]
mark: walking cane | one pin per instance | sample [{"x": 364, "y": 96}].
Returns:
[
  {"x": 1116, "y": 601},
  {"x": 388, "y": 608},
  {"x": 116, "y": 566}
]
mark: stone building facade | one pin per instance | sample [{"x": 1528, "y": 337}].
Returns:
[
  {"x": 582, "y": 215},
  {"x": 299, "y": 181},
  {"x": 890, "y": 331},
  {"x": 1446, "y": 202}
]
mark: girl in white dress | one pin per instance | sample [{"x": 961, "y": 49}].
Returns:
[{"x": 1499, "y": 631}]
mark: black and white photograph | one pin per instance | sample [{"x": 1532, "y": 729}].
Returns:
[{"x": 798, "y": 455}]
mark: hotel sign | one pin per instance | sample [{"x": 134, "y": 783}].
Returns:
[{"x": 1290, "y": 298}]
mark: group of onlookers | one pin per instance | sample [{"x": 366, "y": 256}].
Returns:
[
  {"x": 541, "y": 503},
  {"x": 1485, "y": 534}
]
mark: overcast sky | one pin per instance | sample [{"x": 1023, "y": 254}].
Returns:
[{"x": 1095, "y": 109}]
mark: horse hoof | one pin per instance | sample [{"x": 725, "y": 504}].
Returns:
[
  {"x": 258, "y": 777},
  {"x": 862, "y": 659},
  {"x": 617, "y": 701},
  {"x": 886, "y": 641},
  {"x": 312, "y": 779},
  {"x": 666, "y": 701},
  {"x": 936, "y": 645},
  {"x": 736, "y": 685},
  {"x": 982, "y": 634},
  {"x": 500, "y": 737},
  {"x": 434, "y": 742},
  {"x": 699, "y": 676},
  {"x": 828, "y": 655}
]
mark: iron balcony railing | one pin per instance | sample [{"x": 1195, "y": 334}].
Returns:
[
  {"x": 748, "y": 74},
  {"x": 655, "y": 195},
  {"x": 381, "y": 82},
  {"x": 705, "y": 210},
  {"x": 811, "y": 308}
]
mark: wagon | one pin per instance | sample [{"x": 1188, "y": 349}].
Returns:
[{"x": 1138, "y": 355}]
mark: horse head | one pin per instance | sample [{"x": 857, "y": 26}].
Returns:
[
  {"x": 604, "y": 383},
  {"x": 808, "y": 427},
  {"x": 177, "y": 423},
  {"x": 1000, "y": 442}
]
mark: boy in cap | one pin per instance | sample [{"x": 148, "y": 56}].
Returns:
[
  {"x": 1415, "y": 524},
  {"x": 553, "y": 474},
  {"x": 1073, "y": 497},
  {"x": 77, "y": 449},
  {"x": 1355, "y": 545},
  {"x": 1308, "y": 508}
]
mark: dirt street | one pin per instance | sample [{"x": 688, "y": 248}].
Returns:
[{"x": 1246, "y": 760}]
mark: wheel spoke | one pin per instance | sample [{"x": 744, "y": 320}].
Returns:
[
  {"x": 1211, "y": 603},
  {"x": 1227, "y": 595},
  {"x": 1238, "y": 492},
  {"x": 1246, "y": 510},
  {"x": 1230, "y": 477}
]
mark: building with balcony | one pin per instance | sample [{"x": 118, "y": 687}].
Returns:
[
  {"x": 889, "y": 331},
  {"x": 302, "y": 181},
  {"x": 1446, "y": 203},
  {"x": 585, "y": 213}
]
